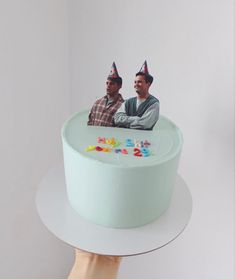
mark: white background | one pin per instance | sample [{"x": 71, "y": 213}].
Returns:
[{"x": 54, "y": 59}]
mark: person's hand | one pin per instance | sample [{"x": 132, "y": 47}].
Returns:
[
  {"x": 95, "y": 257},
  {"x": 93, "y": 266}
]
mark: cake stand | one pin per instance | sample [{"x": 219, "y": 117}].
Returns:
[{"x": 102, "y": 242}]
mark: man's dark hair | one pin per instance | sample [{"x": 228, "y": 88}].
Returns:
[
  {"x": 118, "y": 80},
  {"x": 148, "y": 78}
]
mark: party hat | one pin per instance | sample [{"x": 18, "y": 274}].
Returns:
[
  {"x": 113, "y": 72},
  {"x": 144, "y": 68}
]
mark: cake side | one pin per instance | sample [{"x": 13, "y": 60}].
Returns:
[{"x": 117, "y": 190}]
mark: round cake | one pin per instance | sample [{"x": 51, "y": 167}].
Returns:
[{"x": 118, "y": 177}]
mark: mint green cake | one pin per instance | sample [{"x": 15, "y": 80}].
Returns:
[{"x": 119, "y": 190}]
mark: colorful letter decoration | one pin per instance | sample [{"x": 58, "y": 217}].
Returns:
[
  {"x": 145, "y": 151},
  {"x": 137, "y": 152},
  {"x": 129, "y": 143},
  {"x": 124, "y": 151},
  {"x": 140, "y": 147},
  {"x": 90, "y": 148}
]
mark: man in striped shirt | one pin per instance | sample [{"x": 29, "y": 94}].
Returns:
[{"x": 103, "y": 109}]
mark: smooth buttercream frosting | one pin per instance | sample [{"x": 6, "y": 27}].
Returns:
[
  {"x": 165, "y": 139},
  {"x": 120, "y": 190}
]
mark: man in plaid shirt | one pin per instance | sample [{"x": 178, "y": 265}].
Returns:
[{"x": 103, "y": 109}]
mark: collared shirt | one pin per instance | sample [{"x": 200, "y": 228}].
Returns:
[
  {"x": 103, "y": 110},
  {"x": 143, "y": 122}
]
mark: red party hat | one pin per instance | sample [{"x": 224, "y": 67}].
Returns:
[
  {"x": 144, "y": 68},
  {"x": 113, "y": 72}
]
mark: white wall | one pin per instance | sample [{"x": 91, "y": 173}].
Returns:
[
  {"x": 34, "y": 101},
  {"x": 52, "y": 64},
  {"x": 189, "y": 49}
]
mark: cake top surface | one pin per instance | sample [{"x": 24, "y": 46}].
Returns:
[{"x": 165, "y": 141}]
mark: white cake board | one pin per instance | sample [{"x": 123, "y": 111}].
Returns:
[{"x": 67, "y": 225}]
